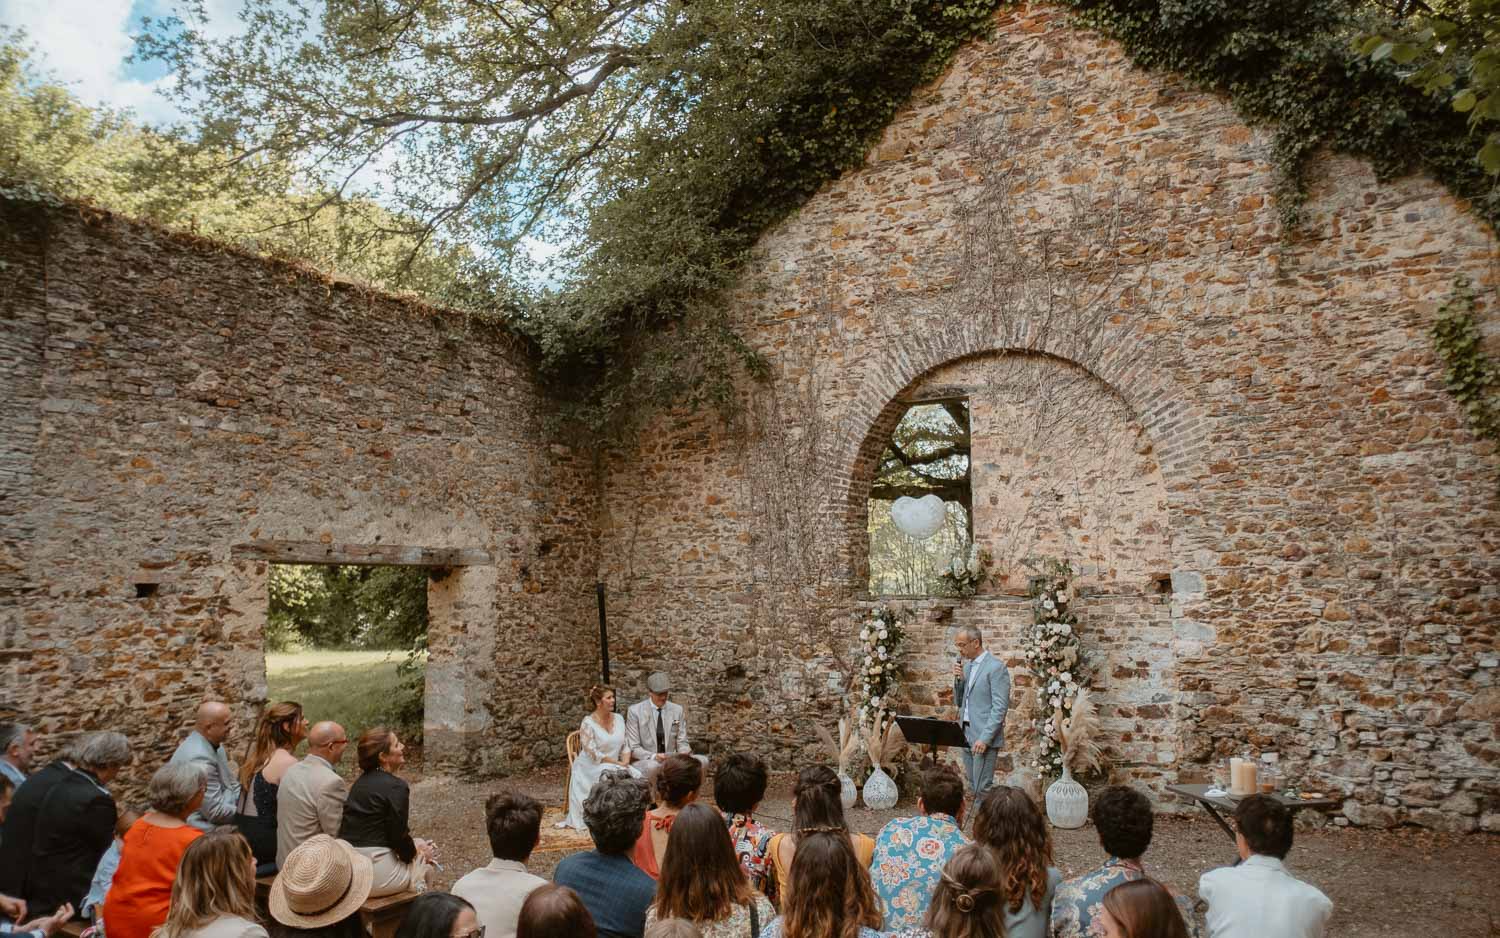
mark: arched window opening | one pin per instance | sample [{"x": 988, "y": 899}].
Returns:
[{"x": 921, "y": 486}]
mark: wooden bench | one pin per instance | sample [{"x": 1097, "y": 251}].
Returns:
[
  {"x": 381, "y": 916},
  {"x": 74, "y": 928}
]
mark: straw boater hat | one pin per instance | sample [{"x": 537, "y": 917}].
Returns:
[{"x": 323, "y": 881}]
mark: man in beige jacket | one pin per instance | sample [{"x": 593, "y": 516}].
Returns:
[{"x": 310, "y": 800}]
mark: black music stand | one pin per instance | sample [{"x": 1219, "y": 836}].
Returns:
[{"x": 925, "y": 731}]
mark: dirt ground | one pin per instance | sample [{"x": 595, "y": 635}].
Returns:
[{"x": 1406, "y": 882}]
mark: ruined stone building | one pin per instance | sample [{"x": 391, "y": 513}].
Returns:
[{"x": 1287, "y": 537}]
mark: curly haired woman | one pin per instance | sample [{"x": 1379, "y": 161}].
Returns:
[{"x": 1009, "y": 823}]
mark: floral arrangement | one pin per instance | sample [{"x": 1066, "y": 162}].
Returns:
[
  {"x": 966, "y": 571},
  {"x": 880, "y": 638},
  {"x": 1055, "y": 656}
]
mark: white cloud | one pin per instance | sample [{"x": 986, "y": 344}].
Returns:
[{"x": 84, "y": 44}]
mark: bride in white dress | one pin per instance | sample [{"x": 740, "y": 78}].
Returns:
[{"x": 601, "y": 748}]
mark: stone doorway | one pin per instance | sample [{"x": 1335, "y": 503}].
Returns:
[{"x": 460, "y": 600}]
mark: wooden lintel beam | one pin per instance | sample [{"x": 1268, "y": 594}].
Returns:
[{"x": 380, "y": 555}]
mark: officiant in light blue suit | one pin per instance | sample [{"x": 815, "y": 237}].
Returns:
[{"x": 981, "y": 692}]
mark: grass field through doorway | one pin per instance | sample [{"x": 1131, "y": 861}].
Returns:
[{"x": 354, "y": 688}]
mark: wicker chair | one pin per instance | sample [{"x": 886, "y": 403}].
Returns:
[{"x": 572, "y": 744}]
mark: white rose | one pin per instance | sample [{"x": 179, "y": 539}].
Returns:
[
  {"x": 864, "y": 635},
  {"x": 1062, "y": 597},
  {"x": 1066, "y": 677},
  {"x": 875, "y": 701},
  {"x": 1056, "y": 702},
  {"x": 884, "y": 634},
  {"x": 882, "y": 654}
]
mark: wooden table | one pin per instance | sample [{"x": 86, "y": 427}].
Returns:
[{"x": 1226, "y": 803}]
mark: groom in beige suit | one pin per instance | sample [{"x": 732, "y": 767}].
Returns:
[
  {"x": 310, "y": 800},
  {"x": 656, "y": 728}
]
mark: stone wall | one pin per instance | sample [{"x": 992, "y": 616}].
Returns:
[
  {"x": 1301, "y": 530},
  {"x": 169, "y": 405}
]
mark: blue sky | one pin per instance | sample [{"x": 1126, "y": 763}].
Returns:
[{"x": 86, "y": 45}]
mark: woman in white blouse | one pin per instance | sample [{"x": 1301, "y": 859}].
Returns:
[
  {"x": 214, "y": 893},
  {"x": 601, "y": 748}
]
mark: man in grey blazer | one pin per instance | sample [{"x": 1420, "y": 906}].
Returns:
[
  {"x": 981, "y": 692},
  {"x": 310, "y": 799},
  {"x": 204, "y": 747},
  {"x": 656, "y": 728}
]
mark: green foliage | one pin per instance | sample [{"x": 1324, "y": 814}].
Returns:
[
  {"x": 357, "y": 689},
  {"x": 1472, "y": 377},
  {"x": 51, "y": 143},
  {"x": 1290, "y": 64},
  {"x": 1453, "y": 54},
  {"x": 346, "y": 607}
]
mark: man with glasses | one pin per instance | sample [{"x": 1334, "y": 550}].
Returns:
[
  {"x": 310, "y": 799},
  {"x": 981, "y": 692}
]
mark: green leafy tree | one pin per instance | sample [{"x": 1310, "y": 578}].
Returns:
[
  {"x": 1451, "y": 51},
  {"x": 52, "y": 143},
  {"x": 340, "y": 607}
]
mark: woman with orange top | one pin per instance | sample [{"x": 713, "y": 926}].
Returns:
[
  {"x": 141, "y": 894},
  {"x": 677, "y": 784}
]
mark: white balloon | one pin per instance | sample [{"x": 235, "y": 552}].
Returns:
[{"x": 919, "y": 518}]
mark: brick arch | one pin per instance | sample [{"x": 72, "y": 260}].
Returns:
[{"x": 1172, "y": 420}]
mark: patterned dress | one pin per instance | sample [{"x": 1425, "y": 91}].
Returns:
[
  {"x": 1077, "y": 907},
  {"x": 751, "y": 839},
  {"x": 910, "y": 854}
]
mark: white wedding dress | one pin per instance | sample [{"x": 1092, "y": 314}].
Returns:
[{"x": 595, "y": 743}]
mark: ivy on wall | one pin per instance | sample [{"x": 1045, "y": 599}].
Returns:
[{"x": 1471, "y": 376}]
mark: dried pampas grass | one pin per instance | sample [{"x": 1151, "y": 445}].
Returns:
[{"x": 1077, "y": 736}]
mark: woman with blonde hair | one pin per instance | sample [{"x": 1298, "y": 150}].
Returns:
[
  {"x": 829, "y": 894},
  {"x": 601, "y": 748},
  {"x": 1009, "y": 823},
  {"x": 214, "y": 894},
  {"x": 282, "y": 727},
  {"x": 966, "y": 902}
]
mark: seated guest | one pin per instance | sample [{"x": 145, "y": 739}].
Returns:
[
  {"x": 701, "y": 879},
  {"x": 966, "y": 901},
  {"x": 498, "y": 891},
  {"x": 553, "y": 911},
  {"x": 141, "y": 893},
  {"x": 1123, "y": 818},
  {"x": 672, "y": 928},
  {"x": 1143, "y": 908},
  {"x": 1009, "y": 823},
  {"x": 60, "y": 823},
  {"x": 376, "y": 817},
  {"x": 7, "y": 792},
  {"x": 214, "y": 895},
  {"x": 440, "y": 915},
  {"x": 44, "y": 927},
  {"x": 656, "y": 728},
  {"x": 816, "y": 808},
  {"x": 104, "y": 873},
  {"x": 204, "y": 747},
  {"x": 616, "y": 892},
  {"x": 739, "y": 788},
  {"x": 310, "y": 798},
  {"x": 828, "y": 894},
  {"x": 281, "y": 728},
  {"x": 910, "y": 852},
  {"x": 17, "y": 746},
  {"x": 677, "y": 782},
  {"x": 319, "y": 889},
  {"x": 1259, "y": 897}
]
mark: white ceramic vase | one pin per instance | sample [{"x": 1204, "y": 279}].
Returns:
[
  {"x": 848, "y": 791},
  {"x": 880, "y": 791},
  {"x": 1067, "y": 802}
]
